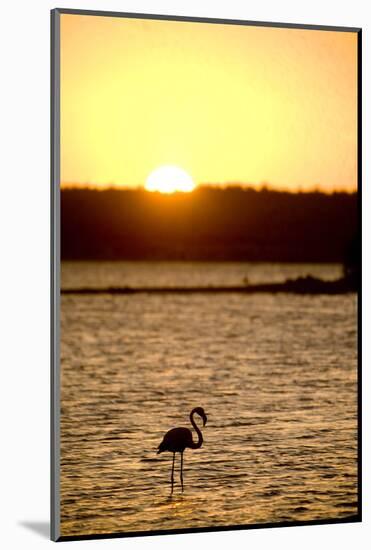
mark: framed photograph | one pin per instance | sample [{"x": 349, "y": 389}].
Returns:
[{"x": 206, "y": 274}]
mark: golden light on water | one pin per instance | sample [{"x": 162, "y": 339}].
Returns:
[{"x": 169, "y": 179}]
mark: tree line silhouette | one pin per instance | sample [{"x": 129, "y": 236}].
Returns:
[{"x": 232, "y": 223}]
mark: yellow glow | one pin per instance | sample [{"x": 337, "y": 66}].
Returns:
[
  {"x": 169, "y": 179},
  {"x": 230, "y": 103}
]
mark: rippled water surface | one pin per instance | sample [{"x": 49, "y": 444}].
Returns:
[{"x": 276, "y": 375}]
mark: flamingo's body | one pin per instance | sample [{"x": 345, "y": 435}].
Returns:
[{"x": 177, "y": 440}]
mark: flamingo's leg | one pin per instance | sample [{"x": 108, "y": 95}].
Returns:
[
  {"x": 181, "y": 470},
  {"x": 172, "y": 474}
]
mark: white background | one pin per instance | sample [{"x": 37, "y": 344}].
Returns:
[{"x": 24, "y": 285}]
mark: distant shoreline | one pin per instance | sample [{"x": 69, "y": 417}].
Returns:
[{"x": 301, "y": 285}]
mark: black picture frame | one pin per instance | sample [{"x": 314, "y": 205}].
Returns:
[{"x": 55, "y": 268}]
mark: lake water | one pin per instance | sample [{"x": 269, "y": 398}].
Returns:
[{"x": 276, "y": 374}]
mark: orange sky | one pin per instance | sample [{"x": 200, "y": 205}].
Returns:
[{"x": 226, "y": 103}]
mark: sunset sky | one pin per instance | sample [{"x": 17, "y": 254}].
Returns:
[{"x": 226, "y": 103}]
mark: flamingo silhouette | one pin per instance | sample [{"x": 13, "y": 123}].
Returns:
[{"x": 177, "y": 440}]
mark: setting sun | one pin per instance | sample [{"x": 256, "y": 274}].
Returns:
[
  {"x": 225, "y": 102},
  {"x": 169, "y": 179}
]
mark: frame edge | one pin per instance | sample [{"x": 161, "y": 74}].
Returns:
[{"x": 54, "y": 276}]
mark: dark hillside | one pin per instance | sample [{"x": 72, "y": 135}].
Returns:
[{"x": 207, "y": 224}]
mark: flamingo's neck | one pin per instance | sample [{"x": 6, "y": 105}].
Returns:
[{"x": 198, "y": 432}]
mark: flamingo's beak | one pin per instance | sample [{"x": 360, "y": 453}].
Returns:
[{"x": 205, "y": 419}]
